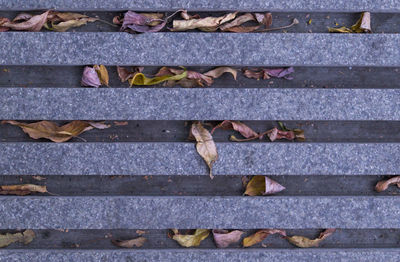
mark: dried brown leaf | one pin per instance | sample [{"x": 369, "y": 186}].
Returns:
[
  {"x": 260, "y": 236},
  {"x": 267, "y": 73},
  {"x": 243, "y": 129},
  {"x": 383, "y": 185},
  {"x": 289, "y": 135},
  {"x": 124, "y": 74},
  {"x": 62, "y": 21},
  {"x": 207, "y": 24},
  {"x": 223, "y": 238},
  {"x": 102, "y": 72},
  {"x": 305, "y": 242},
  {"x": 22, "y": 190},
  {"x": 236, "y": 25},
  {"x": 55, "y": 133},
  {"x": 25, "y": 237},
  {"x": 136, "y": 242},
  {"x": 191, "y": 240},
  {"x": 219, "y": 71},
  {"x": 142, "y": 23},
  {"x": 25, "y": 22},
  {"x": 262, "y": 185},
  {"x": 205, "y": 145}
]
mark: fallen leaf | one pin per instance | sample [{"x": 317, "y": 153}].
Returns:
[
  {"x": 383, "y": 185},
  {"x": 137, "y": 242},
  {"x": 262, "y": 185},
  {"x": 243, "y": 129},
  {"x": 305, "y": 242},
  {"x": 289, "y": 135},
  {"x": 190, "y": 240},
  {"x": 26, "y": 22},
  {"x": 208, "y": 24},
  {"x": 141, "y": 23},
  {"x": 267, "y": 73},
  {"x": 260, "y": 236},
  {"x": 62, "y": 21},
  {"x": 205, "y": 145},
  {"x": 55, "y": 133},
  {"x": 141, "y": 79},
  {"x": 39, "y": 178},
  {"x": 22, "y": 190},
  {"x": 186, "y": 16},
  {"x": 102, "y": 72},
  {"x": 363, "y": 25},
  {"x": 124, "y": 74},
  {"x": 223, "y": 238},
  {"x": 95, "y": 76},
  {"x": 25, "y": 237},
  {"x": 219, "y": 71},
  {"x": 236, "y": 25},
  {"x": 119, "y": 123}
]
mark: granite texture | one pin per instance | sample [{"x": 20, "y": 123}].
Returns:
[
  {"x": 199, "y": 104},
  {"x": 182, "y": 159},
  {"x": 205, "y": 5},
  {"x": 191, "y": 49},
  {"x": 132, "y": 212},
  {"x": 200, "y": 255}
]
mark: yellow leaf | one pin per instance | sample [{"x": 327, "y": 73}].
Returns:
[
  {"x": 102, "y": 72},
  {"x": 363, "y": 25},
  {"x": 205, "y": 144},
  {"x": 262, "y": 185},
  {"x": 25, "y": 237},
  {"x": 191, "y": 240},
  {"x": 142, "y": 80},
  {"x": 305, "y": 242}
]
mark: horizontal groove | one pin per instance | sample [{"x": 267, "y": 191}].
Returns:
[
  {"x": 309, "y": 22},
  {"x": 21, "y": 48},
  {"x": 278, "y": 255},
  {"x": 199, "y": 212},
  {"x": 304, "y": 77},
  {"x": 200, "y": 185},
  {"x": 182, "y": 159},
  {"x": 255, "y": 5},
  {"x": 200, "y": 104},
  {"x": 66, "y": 239},
  {"x": 178, "y": 131}
]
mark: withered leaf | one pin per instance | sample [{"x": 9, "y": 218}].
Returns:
[
  {"x": 243, "y": 129},
  {"x": 102, "y": 72},
  {"x": 55, "y": 133},
  {"x": 205, "y": 145},
  {"x": 22, "y": 190},
  {"x": 275, "y": 134},
  {"x": 124, "y": 74},
  {"x": 383, "y": 185},
  {"x": 363, "y": 25},
  {"x": 236, "y": 25},
  {"x": 62, "y": 21},
  {"x": 267, "y": 73},
  {"x": 141, "y": 23},
  {"x": 141, "y": 79},
  {"x": 136, "y": 242},
  {"x": 208, "y": 24},
  {"x": 305, "y": 242},
  {"x": 90, "y": 77},
  {"x": 223, "y": 238},
  {"x": 190, "y": 240},
  {"x": 25, "y": 237},
  {"x": 260, "y": 235},
  {"x": 262, "y": 185},
  {"x": 26, "y": 22},
  {"x": 219, "y": 71}
]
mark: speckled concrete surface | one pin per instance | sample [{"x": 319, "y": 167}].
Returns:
[
  {"x": 199, "y": 104},
  {"x": 182, "y": 159},
  {"x": 199, "y": 212},
  {"x": 234, "y": 255},
  {"x": 151, "y": 5},
  {"x": 22, "y": 48}
]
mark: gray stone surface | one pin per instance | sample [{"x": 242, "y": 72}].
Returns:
[
  {"x": 130, "y": 212},
  {"x": 182, "y": 159},
  {"x": 263, "y": 49},
  {"x": 199, "y": 104},
  {"x": 204, "y": 5},
  {"x": 237, "y": 255}
]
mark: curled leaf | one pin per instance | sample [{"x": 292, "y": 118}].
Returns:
[
  {"x": 22, "y": 190},
  {"x": 363, "y": 25},
  {"x": 95, "y": 76},
  {"x": 190, "y": 240},
  {"x": 267, "y": 73},
  {"x": 289, "y": 135},
  {"x": 124, "y": 74},
  {"x": 383, "y": 185},
  {"x": 262, "y": 185},
  {"x": 26, "y": 22},
  {"x": 236, "y": 25},
  {"x": 102, "y": 72},
  {"x": 208, "y": 24},
  {"x": 141, "y": 79},
  {"x": 260, "y": 235},
  {"x": 55, "y": 133},
  {"x": 205, "y": 145},
  {"x": 243, "y": 129},
  {"x": 219, "y": 71},
  {"x": 25, "y": 237},
  {"x": 136, "y": 242},
  {"x": 223, "y": 238},
  {"x": 305, "y": 242},
  {"x": 141, "y": 23},
  {"x": 62, "y": 21}
]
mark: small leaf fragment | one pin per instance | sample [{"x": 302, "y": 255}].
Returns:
[
  {"x": 25, "y": 237},
  {"x": 190, "y": 240},
  {"x": 205, "y": 145},
  {"x": 260, "y": 235},
  {"x": 305, "y": 242},
  {"x": 276, "y": 134},
  {"x": 383, "y": 185},
  {"x": 363, "y": 25},
  {"x": 208, "y": 24},
  {"x": 136, "y": 242},
  {"x": 22, "y": 190},
  {"x": 243, "y": 129},
  {"x": 267, "y": 73},
  {"x": 223, "y": 238},
  {"x": 262, "y": 185}
]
